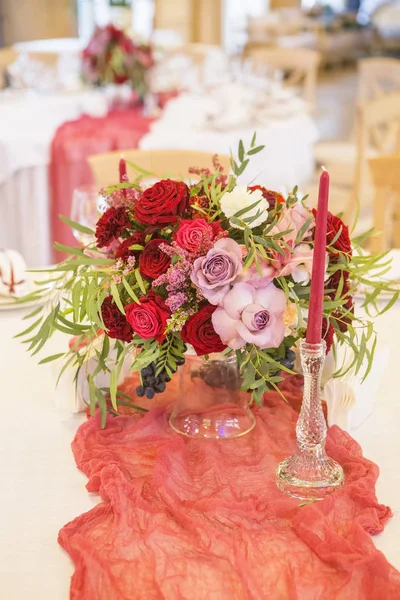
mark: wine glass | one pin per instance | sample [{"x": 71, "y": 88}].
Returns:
[{"x": 87, "y": 205}]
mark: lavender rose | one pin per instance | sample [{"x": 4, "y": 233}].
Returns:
[
  {"x": 250, "y": 315},
  {"x": 214, "y": 273}
]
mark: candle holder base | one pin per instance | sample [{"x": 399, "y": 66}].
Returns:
[{"x": 309, "y": 475}]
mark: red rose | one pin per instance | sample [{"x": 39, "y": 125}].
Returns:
[
  {"x": 328, "y": 333},
  {"x": 153, "y": 261},
  {"x": 270, "y": 196},
  {"x": 342, "y": 315},
  {"x": 333, "y": 283},
  {"x": 111, "y": 225},
  {"x": 115, "y": 322},
  {"x": 124, "y": 252},
  {"x": 162, "y": 203},
  {"x": 199, "y": 332},
  {"x": 343, "y": 243},
  {"x": 149, "y": 318},
  {"x": 195, "y": 235}
]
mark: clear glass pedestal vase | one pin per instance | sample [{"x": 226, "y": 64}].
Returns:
[
  {"x": 310, "y": 473},
  {"x": 210, "y": 404}
]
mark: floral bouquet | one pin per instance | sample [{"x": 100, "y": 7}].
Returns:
[
  {"x": 213, "y": 265},
  {"x": 112, "y": 57}
]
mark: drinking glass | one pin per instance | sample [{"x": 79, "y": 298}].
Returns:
[{"x": 87, "y": 205}]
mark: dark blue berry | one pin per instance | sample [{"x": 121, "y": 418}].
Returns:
[
  {"x": 147, "y": 371},
  {"x": 140, "y": 391},
  {"x": 286, "y": 363},
  {"x": 180, "y": 360},
  {"x": 150, "y": 393},
  {"x": 290, "y": 355},
  {"x": 160, "y": 387}
]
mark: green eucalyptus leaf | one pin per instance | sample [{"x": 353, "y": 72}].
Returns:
[
  {"x": 116, "y": 297},
  {"x": 51, "y": 358},
  {"x": 76, "y": 225}
]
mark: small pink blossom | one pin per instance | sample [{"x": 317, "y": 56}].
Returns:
[
  {"x": 260, "y": 277},
  {"x": 250, "y": 315}
]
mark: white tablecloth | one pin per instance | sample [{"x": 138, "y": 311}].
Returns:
[
  {"x": 28, "y": 123},
  {"x": 57, "y": 46},
  {"x": 287, "y": 159},
  {"x": 42, "y": 489}
]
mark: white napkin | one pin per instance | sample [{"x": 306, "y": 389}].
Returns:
[
  {"x": 350, "y": 401},
  {"x": 12, "y": 274}
]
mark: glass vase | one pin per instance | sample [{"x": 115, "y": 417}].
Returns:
[
  {"x": 310, "y": 473},
  {"x": 210, "y": 404}
]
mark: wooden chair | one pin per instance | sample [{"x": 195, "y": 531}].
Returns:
[
  {"x": 7, "y": 57},
  {"x": 377, "y": 77},
  {"x": 385, "y": 173},
  {"x": 160, "y": 163},
  {"x": 299, "y": 64},
  {"x": 50, "y": 59},
  {"x": 378, "y": 133}
]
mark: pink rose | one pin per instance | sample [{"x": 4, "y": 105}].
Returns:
[
  {"x": 293, "y": 219},
  {"x": 250, "y": 315},
  {"x": 214, "y": 273},
  {"x": 195, "y": 235}
]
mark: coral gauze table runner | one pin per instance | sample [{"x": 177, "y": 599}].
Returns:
[
  {"x": 184, "y": 519},
  {"x": 73, "y": 143}
]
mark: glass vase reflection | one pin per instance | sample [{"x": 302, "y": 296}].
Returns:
[
  {"x": 210, "y": 404},
  {"x": 310, "y": 473}
]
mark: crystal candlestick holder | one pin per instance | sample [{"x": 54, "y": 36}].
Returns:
[{"x": 310, "y": 473}]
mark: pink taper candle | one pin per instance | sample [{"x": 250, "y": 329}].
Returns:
[
  {"x": 314, "y": 325},
  {"x": 122, "y": 170}
]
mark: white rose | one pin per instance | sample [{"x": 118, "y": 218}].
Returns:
[{"x": 239, "y": 198}]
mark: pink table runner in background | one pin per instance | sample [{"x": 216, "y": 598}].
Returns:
[
  {"x": 184, "y": 519},
  {"x": 73, "y": 143}
]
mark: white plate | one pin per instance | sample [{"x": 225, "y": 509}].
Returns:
[{"x": 12, "y": 303}]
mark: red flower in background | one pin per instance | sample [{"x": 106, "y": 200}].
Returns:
[
  {"x": 195, "y": 235},
  {"x": 124, "y": 252},
  {"x": 149, "y": 318},
  {"x": 111, "y": 225},
  {"x": 342, "y": 315},
  {"x": 153, "y": 261},
  {"x": 162, "y": 203},
  {"x": 270, "y": 196},
  {"x": 115, "y": 322},
  {"x": 200, "y": 333},
  {"x": 328, "y": 333}
]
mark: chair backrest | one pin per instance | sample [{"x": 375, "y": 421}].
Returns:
[
  {"x": 385, "y": 173},
  {"x": 299, "y": 64},
  {"x": 378, "y": 130},
  {"x": 50, "y": 59},
  {"x": 377, "y": 77},
  {"x": 7, "y": 57},
  {"x": 160, "y": 163}
]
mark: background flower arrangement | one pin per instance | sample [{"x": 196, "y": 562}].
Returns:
[
  {"x": 214, "y": 265},
  {"x": 112, "y": 57}
]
